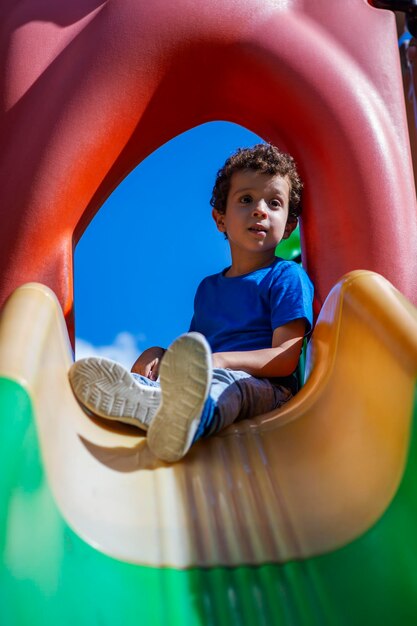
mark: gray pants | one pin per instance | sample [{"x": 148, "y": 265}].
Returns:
[{"x": 234, "y": 396}]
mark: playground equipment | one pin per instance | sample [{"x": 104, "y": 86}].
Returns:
[{"x": 306, "y": 516}]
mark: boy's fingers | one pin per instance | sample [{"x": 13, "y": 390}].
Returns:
[
  {"x": 154, "y": 370},
  {"x": 147, "y": 370}
]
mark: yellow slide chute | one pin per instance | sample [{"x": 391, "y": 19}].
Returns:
[{"x": 301, "y": 482}]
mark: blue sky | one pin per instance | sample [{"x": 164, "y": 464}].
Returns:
[{"x": 139, "y": 262}]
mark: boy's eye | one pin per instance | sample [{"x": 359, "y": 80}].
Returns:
[
  {"x": 247, "y": 199},
  {"x": 275, "y": 203}
]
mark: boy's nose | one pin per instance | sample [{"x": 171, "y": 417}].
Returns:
[{"x": 260, "y": 208}]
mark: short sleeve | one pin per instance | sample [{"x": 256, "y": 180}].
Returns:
[
  {"x": 197, "y": 306},
  {"x": 291, "y": 296},
  {"x": 192, "y": 325}
]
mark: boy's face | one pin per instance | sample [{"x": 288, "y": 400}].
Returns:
[{"x": 256, "y": 217}]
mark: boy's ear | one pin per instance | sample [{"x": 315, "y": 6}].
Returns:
[
  {"x": 219, "y": 219},
  {"x": 290, "y": 226}
]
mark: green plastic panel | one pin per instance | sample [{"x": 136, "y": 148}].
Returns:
[
  {"x": 48, "y": 575},
  {"x": 290, "y": 249}
]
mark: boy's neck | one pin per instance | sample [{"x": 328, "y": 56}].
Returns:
[{"x": 248, "y": 265}]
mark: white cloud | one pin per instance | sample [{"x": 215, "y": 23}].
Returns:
[{"x": 124, "y": 349}]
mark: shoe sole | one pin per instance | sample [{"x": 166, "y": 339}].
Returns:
[
  {"x": 108, "y": 390},
  {"x": 185, "y": 377}
]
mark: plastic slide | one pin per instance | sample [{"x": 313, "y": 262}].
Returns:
[
  {"x": 306, "y": 516},
  {"x": 298, "y": 517}
]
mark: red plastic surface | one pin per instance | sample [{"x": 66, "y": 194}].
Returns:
[{"x": 91, "y": 87}]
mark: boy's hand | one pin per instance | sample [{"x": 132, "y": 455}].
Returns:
[
  {"x": 148, "y": 363},
  {"x": 218, "y": 360}
]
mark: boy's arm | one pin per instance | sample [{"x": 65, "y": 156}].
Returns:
[
  {"x": 148, "y": 363},
  {"x": 279, "y": 360}
]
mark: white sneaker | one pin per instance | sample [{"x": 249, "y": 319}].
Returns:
[
  {"x": 185, "y": 377},
  {"x": 107, "y": 389}
]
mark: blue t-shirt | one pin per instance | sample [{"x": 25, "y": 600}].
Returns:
[{"x": 241, "y": 312}]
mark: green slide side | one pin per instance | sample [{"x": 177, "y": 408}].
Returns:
[
  {"x": 290, "y": 248},
  {"x": 48, "y": 575}
]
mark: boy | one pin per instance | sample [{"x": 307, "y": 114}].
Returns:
[{"x": 240, "y": 356}]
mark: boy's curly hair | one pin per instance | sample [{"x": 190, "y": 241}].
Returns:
[{"x": 265, "y": 158}]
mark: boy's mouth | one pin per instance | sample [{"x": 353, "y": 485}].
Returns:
[{"x": 258, "y": 229}]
